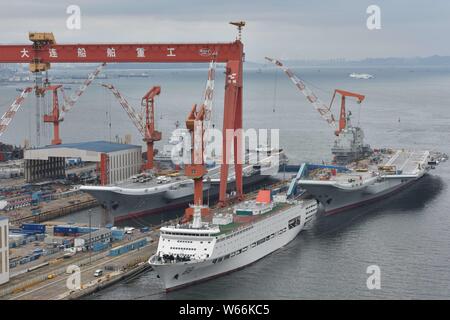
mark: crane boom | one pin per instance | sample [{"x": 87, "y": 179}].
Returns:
[
  {"x": 11, "y": 112},
  {"x": 70, "y": 102},
  {"x": 208, "y": 103},
  {"x": 322, "y": 108},
  {"x": 135, "y": 117}
]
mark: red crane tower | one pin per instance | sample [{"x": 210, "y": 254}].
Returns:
[
  {"x": 324, "y": 111},
  {"x": 343, "y": 113},
  {"x": 151, "y": 135},
  {"x": 196, "y": 169},
  {"x": 54, "y": 116}
]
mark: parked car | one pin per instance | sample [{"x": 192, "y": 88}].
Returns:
[{"x": 98, "y": 273}]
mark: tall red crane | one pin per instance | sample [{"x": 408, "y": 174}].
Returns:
[
  {"x": 54, "y": 116},
  {"x": 147, "y": 129},
  {"x": 196, "y": 168},
  {"x": 44, "y": 50},
  {"x": 343, "y": 112},
  {"x": 151, "y": 135},
  {"x": 324, "y": 111}
]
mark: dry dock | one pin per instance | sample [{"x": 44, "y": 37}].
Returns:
[{"x": 54, "y": 209}]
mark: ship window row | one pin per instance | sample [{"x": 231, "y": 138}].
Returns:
[
  {"x": 254, "y": 244},
  {"x": 179, "y": 248},
  {"x": 187, "y": 234},
  {"x": 185, "y": 241}
]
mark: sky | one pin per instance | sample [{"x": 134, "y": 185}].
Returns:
[{"x": 292, "y": 29}]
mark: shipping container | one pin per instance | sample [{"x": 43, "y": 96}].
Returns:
[
  {"x": 117, "y": 234},
  {"x": 82, "y": 230},
  {"x": 128, "y": 247},
  {"x": 65, "y": 230},
  {"x": 34, "y": 227},
  {"x": 100, "y": 246}
]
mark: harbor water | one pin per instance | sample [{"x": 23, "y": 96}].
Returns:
[{"x": 407, "y": 235}]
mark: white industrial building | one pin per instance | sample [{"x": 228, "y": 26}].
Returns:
[
  {"x": 118, "y": 161},
  {"x": 4, "y": 250}
]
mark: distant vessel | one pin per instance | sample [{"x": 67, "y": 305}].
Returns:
[
  {"x": 361, "y": 75},
  {"x": 234, "y": 238},
  {"x": 134, "y": 75}
]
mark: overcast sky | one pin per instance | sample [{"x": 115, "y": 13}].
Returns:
[{"x": 312, "y": 29}]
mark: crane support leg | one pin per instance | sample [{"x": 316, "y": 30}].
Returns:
[{"x": 232, "y": 127}]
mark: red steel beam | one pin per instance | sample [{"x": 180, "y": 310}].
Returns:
[{"x": 115, "y": 52}]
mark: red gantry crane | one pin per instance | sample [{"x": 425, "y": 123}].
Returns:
[
  {"x": 147, "y": 129},
  {"x": 324, "y": 110},
  {"x": 151, "y": 135},
  {"x": 44, "y": 50},
  {"x": 54, "y": 116},
  {"x": 196, "y": 169},
  {"x": 343, "y": 113}
]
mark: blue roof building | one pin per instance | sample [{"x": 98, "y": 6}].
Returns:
[{"x": 44, "y": 163}]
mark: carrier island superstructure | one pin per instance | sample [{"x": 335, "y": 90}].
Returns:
[{"x": 357, "y": 174}]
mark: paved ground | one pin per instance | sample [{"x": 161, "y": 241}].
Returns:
[{"x": 56, "y": 287}]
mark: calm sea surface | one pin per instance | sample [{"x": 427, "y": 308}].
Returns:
[{"x": 407, "y": 235}]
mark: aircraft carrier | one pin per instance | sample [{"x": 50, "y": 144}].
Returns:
[
  {"x": 360, "y": 175},
  {"x": 150, "y": 193},
  {"x": 357, "y": 174}
]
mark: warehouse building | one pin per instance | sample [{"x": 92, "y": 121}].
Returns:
[
  {"x": 116, "y": 161},
  {"x": 4, "y": 250}
]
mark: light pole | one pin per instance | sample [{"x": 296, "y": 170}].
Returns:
[{"x": 90, "y": 235}]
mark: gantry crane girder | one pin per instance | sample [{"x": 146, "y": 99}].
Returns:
[{"x": 43, "y": 53}]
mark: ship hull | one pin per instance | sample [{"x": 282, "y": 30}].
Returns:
[
  {"x": 123, "y": 206},
  {"x": 175, "y": 276},
  {"x": 335, "y": 200}
]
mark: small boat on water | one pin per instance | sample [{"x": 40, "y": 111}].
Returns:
[{"x": 364, "y": 76}]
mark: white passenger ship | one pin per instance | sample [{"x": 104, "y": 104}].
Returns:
[{"x": 232, "y": 239}]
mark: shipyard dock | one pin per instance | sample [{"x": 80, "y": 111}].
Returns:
[{"x": 49, "y": 276}]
